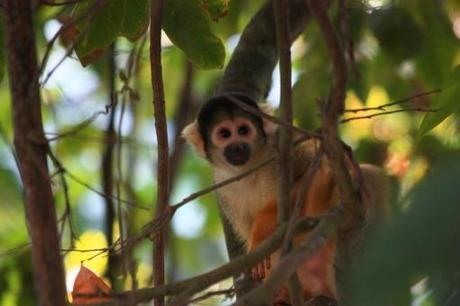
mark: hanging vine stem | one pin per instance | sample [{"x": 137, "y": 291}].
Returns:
[
  {"x": 281, "y": 12},
  {"x": 162, "y": 139},
  {"x": 332, "y": 110}
]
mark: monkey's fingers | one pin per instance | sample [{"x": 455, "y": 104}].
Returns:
[{"x": 258, "y": 271}]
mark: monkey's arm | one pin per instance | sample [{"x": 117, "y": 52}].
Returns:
[{"x": 263, "y": 225}]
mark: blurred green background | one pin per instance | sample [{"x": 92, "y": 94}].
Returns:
[{"x": 401, "y": 49}]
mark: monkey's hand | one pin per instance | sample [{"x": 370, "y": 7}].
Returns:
[{"x": 259, "y": 271}]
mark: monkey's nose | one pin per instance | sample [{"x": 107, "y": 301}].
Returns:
[{"x": 238, "y": 153}]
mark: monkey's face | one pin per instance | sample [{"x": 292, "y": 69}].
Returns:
[
  {"x": 229, "y": 137},
  {"x": 235, "y": 141}
]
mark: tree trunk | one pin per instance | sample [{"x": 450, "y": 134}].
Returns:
[{"x": 31, "y": 148}]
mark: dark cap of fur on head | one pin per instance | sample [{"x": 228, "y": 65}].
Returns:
[{"x": 222, "y": 103}]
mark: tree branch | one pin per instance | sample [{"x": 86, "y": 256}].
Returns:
[
  {"x": 203, "y": 281},
  {"x": 250, "y": 68},
  {"x": 415, "y": 109},
  {"x": 162, "y": 139},
  {"x": 384, "y": 106},
  {"x": 332, "y": 109},
  {"x": 31, "y": 154},
  {"x": 285, "y": 134},
  {"x": 282, "y": 15}
]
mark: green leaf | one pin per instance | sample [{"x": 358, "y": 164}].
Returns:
[
  {"x": 421, "y": 242},
  {"x": 439, "y": 43},
  {"x": 397, "y": 32},
  {"x": 188, "y": 26},
  {"x": 102, "y": 25},
  {"x": 446, "y": 103},
  {"x": 135, "y": 18}
]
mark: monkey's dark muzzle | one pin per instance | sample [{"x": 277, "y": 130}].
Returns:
[{"x": 237, "y": 154}]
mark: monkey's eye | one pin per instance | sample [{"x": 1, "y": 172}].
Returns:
[
  {"x": 224, "y": 133},
  {"x": 243, "y": 130}
]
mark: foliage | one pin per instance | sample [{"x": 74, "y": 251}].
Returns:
[{"x": 401, "y": 49}]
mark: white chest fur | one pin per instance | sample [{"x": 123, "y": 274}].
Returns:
[{"x": 241, "y": 200}]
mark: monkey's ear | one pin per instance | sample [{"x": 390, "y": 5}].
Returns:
[
  {"x": 193, "y": 137},
  {"x": 270, "y": 127},
  {"x": 267, "y": 108}
]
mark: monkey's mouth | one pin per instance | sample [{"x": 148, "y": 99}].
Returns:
[{"x": 237, "y": 154}]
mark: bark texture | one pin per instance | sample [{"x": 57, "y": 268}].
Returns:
[{"x": 31, "y": 149}]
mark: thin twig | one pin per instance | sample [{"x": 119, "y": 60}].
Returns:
[
  {"x": 67, "y": 214},
  {"x": 15, "y": 250},
  {"x": 384, "y": 106},
  {"x": 274, "y": 119},
  {"x": 60, "y": 3},
  {"x": 417, "y": 109},
  {"x": 82, "y": 124},
  {"x": 89, "y": 13},
  {"x": 150, "y": 229},
  {"x": 102, "y": 194},
  {"x": 207, "y": 279}
]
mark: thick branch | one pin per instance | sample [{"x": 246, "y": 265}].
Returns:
[
  {"x": 31, "y": 148},
  {"x": 162, "y": 139},
  {"x": 250, "y": 68}
]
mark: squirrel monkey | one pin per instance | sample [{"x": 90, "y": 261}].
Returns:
[{"x": 233, "y": 141}]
